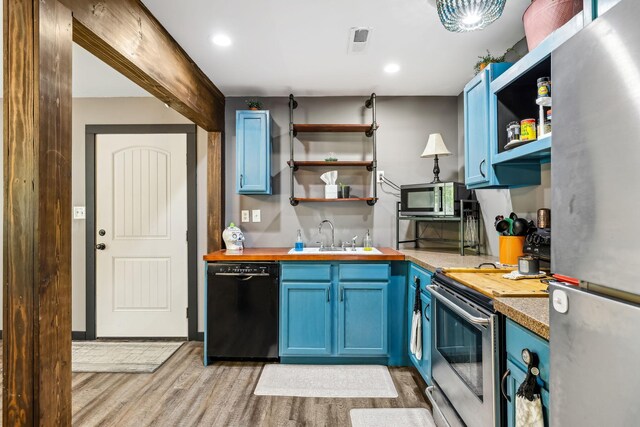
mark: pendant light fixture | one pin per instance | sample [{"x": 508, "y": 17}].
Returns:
[{"x": 468, "y": 15}]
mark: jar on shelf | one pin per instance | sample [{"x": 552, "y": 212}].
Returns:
[
  {"x": 544, "y": 92},
  {"x": 513, "y": 132}
]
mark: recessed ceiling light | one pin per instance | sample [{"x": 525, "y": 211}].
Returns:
[
  {"x": 221, "y": 40},
  {"x": 391, "y": 68}
]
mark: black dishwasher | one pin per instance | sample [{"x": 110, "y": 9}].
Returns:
[{"x": 242, "y": 311}]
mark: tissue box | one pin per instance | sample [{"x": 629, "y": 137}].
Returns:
[{"x": 330, "y": 191}]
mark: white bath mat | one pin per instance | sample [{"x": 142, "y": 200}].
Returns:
[
  {"x": 392, "y": 417},
  {"x": 326, "y": 381},
  {"x": 112, "y": 356}
]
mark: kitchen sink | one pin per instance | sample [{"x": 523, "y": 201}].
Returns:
[{"x": 347, "y": 251}]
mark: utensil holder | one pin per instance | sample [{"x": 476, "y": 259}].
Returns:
[{"x": 510, "y": 249}]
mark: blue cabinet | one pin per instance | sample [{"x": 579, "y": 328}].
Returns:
[
  {"x": 305, "y": 319},
  {"x": 334, "y": 311},
  {"x": 517, "y": 339},
  {"x": 477, "y": 127},
  {"x": 419, "y": 279},
  {"x": 362, "y": 318},
  {"x": 253, "y": 152}
]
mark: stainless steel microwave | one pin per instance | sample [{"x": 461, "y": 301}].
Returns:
[{"x": 434, "y": 199}]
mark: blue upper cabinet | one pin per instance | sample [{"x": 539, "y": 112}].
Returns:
[
  {"x": 362, "y": 318},
  {"x": 477, "y": 127},
  {"x": 253, "y": 152}
]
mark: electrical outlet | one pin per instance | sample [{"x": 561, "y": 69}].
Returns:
[
  {"x": 255, "y": 215},
  {"x": 245, "y": 215},
  {"x": 79, "y": 212},
  {"x": 380, "y": 176}
]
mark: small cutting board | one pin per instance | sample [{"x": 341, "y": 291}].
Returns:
[{"x": 490, "y": 282}]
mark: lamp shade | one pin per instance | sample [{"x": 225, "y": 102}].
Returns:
[{"x": 435, "y": 147}]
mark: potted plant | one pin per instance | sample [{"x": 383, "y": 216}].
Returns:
[
  {"x": 343, "y": 191},
  {"x": 486, "y": 60},
  {"x": 254, "y": 104},
  {"x": 543, "y": 17}
]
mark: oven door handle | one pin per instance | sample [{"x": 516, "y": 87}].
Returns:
[{"x": 473, "y": 319}]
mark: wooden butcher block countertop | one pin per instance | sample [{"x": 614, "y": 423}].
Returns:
[
  {"x": 282, "y": 254},
  {"x": 491, "y": 283}
]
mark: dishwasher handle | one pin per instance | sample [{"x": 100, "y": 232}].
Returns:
[
  {"x": 243, "y": 275},
  {"x": 457, "y": 309}
]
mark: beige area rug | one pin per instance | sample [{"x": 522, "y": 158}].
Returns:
[
  {"x": 119, "y": 356},
  {"x": 392, "y": 417},
  {"x": 326, "y": 381}
]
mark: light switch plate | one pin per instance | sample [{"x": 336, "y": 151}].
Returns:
[
  {"x": 255, "y": 215},
  {"x": 79, "y": 212},
  {"x": 245, "y": 215}
]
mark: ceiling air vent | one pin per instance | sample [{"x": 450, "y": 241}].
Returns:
[{"x": 358, "y": 39}]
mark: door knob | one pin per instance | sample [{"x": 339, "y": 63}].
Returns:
[{"x": 101, "y": 246}]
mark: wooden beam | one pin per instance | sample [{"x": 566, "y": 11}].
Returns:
[
  {"x": 125, "y": 35},
  {"x": 37, "y": 213},
  {"x": 215, "y": 191}
]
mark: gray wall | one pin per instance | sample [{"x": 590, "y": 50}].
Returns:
[
  {"x": 122, "y": 111},
  {"x": 405, "y": 124}
]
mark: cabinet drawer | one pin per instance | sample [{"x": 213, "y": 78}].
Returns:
[
  {"x": 519, "y": 338},
  {"x": 418, "y": 274},
  {"x": 361, "y": 272},
  {"x": 307, "y": 272}
]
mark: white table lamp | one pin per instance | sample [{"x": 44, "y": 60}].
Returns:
[{"x": 435, "y": 147}]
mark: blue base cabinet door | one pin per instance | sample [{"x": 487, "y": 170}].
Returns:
[
  {"x": 362, "y": 318},
  {"x": 305, "y": 319},
  {"x": 425, "y": 363},
  {"x": 253, "y": 152}
]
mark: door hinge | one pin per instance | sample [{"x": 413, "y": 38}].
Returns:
[
  {"x": 187, "y": 312},
  {"x": 186, "y": 235}
]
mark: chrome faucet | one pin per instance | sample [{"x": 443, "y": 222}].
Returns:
[{"x": 333, "y": 245}]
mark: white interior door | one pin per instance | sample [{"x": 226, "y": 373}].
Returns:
[{"x": 141, "y": 208}]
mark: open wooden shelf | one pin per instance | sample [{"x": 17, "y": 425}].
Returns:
[
  {"x": 318, "y": 199},
  {"x": 320, "y": 163},
  {"x": 331, "y": 128}
]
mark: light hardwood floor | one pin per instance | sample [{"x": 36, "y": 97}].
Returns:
[{"x": 185, "y": 393}]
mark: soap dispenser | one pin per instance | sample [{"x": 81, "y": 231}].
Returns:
[
  {"x": 299, "y": 246},
  {"x": 368, "y": 242}
]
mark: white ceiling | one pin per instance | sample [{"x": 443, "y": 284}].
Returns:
[{"x": 300, "y": 46}]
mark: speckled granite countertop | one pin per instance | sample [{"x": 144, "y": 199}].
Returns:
[
  {"x": 432, "y": 259},
  {"x": 532, "y": 313}
]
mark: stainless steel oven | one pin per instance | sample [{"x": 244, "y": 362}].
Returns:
[
  {"x": 465, "y": 354},
  {"x": 434, "y": 199}
]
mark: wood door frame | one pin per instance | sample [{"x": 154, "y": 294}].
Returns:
[{"x": 192, "y": 218}]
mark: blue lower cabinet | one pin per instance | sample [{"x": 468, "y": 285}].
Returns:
[
  {"x": 363, "y": 318},
  {"x": 418, "y": 281},
  {"x": 338, "y": 312},
  {"x": 425, "y": 363},
  {"x": 517, "y": 339},
  {"x": 305, "y": 319}
]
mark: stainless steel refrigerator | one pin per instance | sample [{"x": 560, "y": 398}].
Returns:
[{"x": 595, "y": 173}]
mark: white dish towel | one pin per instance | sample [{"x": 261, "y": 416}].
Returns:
[
  {"x": 416, "y": 327},
  {"x": 529, "y": 412}
]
